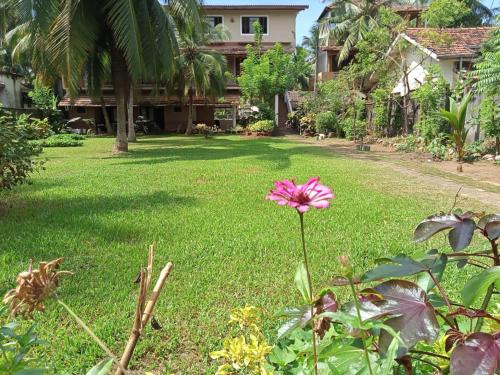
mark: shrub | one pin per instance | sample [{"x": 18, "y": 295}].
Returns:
[
  {"x": 46, "y": 102},
  {"x": 326, "y": 122},
  {"x": 439, "y": 147},
  {"x": 308, "y": 123},
  {"x": 17, "y": 152},
  {"x": 409, "y": 144},
  {"x": 34, "y": 128},
  {"x": 262, "y": 126},
  {"x": 473, "y": 151},
  {"x": 353, "y": 129},
  {"x": 62, "y": 140}
]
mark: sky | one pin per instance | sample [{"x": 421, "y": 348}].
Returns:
[{"x": 306, "y": 18}]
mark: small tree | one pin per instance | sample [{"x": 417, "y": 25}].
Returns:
[
  {"x": 448, "y": 13},
  {"x": 456, "y": 117},
  {"x": 46, "y": 102}
]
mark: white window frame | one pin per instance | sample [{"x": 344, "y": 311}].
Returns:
[
  {"x": 253, "y": 15},
  {"x": 216, "y": 15}
]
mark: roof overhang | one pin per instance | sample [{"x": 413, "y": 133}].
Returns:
[{"x": 297, "y": 8}]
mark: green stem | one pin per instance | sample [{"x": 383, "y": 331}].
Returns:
[
  {"x": 358, "y": 312},
  {"x": 311, "y": 300},
  {"x": 98, "y": 341}
]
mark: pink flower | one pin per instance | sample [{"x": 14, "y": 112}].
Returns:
[{"x": 301, "y": 197}]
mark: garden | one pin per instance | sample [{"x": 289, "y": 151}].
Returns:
[{"x": 232, "y": 249}]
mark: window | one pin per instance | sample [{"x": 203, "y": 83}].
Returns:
[
  {"x": 214, "y": 20},
  {"x": 248, "y": 21},
  {"x": 81, "y": 110}
]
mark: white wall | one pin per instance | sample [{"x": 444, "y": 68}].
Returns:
[{"x": 10, "y": 90}]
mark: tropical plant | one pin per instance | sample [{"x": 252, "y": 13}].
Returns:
[
  {"x": 136, "y": 38},
  {"x": 200, "y": 71},
  {"x": 17, "y": 152},
  {"x": 262, "y": 126},
  {"x": 311, "y": 43},
  {"x": 46, "y": 102},
  {"x": 326, "y": 122},
  {"x": 486, "y": 71},
  {"x": 456, "y": 117}
]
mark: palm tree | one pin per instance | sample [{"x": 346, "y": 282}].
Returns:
[
  {"x": 136, "y": 37},
  {"x": 201, "y": 71},
  {"x": 456, "y": 117},
  {"x": 311, "y": 43}
]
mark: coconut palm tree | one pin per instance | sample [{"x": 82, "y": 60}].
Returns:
[
  {"x": 137, "y": 38},
  {"x": 201, "y": 71}
]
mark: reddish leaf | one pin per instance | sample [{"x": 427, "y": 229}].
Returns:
[
  {"x": 462, "y": 229},
  {"x": 409, "y": 312},
  {"x": 479, "y": 354}
]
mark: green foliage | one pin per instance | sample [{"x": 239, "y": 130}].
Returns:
[
  {"x": 489, "y": 119},
  {"x": 271, "y": 73},
  {"x": 439, "y": 146},
  {"x": 16, "y": 348},
  {"x": 408, "y": 144},
  {"x": 262, "y": 126},
  {"x": 62, "y": 140},
  {"x": 326, "y": 122},
  {"x": 487, "y": 69},
  {"x": 46, "y": 102},
  {"x": 353, "y": 123},
  {"x": 380, "y": 97},
  {"x": 17, "y": 152},
  {"x": 431, "y": 96},
  {"x": 456, "y": 117},
  {"x": 447, "y": 13}
]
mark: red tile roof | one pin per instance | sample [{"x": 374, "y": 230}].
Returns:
[{"x": 450, "y": 42}]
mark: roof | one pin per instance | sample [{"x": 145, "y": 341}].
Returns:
[
  {"x": 448, "y": 42},
  {"x": 146, "y": 100},
  {"x": 256, "y": 6},
  {"x": 240, "y": 49}
]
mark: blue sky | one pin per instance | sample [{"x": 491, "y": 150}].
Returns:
[{"x": 306, "y": 18}]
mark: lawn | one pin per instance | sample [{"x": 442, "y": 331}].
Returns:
[{"x": 202, "y": 201}]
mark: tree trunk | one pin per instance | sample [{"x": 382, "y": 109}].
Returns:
[
  {"x": 497, "y": 142},
  {"x": 189, "y": 128},
  {"x": 107, "y": 123},
  {"x": 131, "y": 125},
  {"x": 120, "y": 79}
]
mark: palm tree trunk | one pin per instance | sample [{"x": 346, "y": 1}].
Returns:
[
  {"x": 120, "y": 78},
  {"x": 131, "y": 125},
  {"x": 189, "y": 127},
  {"x": 107, "y": 123}
]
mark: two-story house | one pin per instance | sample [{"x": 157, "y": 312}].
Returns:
[{"x": 169, "y": 112}]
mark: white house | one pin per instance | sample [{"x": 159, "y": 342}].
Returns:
[
  {"x": 13, "y": 91},
  {"x": 452, "y": 49}
]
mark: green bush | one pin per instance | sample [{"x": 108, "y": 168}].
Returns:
[
  {"x": 439, "y": 147},
  {"x": 409, "y": 144},
  {"x": 46, "y": 102},
  {"x": 326, "y": 122},
  {"x": 353, "y": 129},
  {"x": 17, "y": 152},
  {"x": 34, "y": 128},
  {"x": 62, "y": 140},
  {"x": 262, "y": 126}
]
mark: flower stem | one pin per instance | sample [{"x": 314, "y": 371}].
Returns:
[
  {"x": 98, "y": 341},
  {"x": 311, "y": 299},
  {"x": 358, "y": 312}
]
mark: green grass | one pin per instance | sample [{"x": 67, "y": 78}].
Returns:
[{"x": 202, "y": 200}]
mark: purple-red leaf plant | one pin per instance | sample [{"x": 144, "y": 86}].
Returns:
[{"x": 434, "y": 333}]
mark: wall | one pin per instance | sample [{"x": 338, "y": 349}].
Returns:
[
  {"x": 323, "y": 61},
  {"x": 175, "y": 121},
  {"x": 281, "y": 24},
  {"x": 10, "y": 94}
]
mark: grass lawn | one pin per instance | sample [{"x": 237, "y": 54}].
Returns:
[{"x": 202, "y": 200}]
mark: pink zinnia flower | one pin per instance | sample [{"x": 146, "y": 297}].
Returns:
[{"x": 301, "y": 197}]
